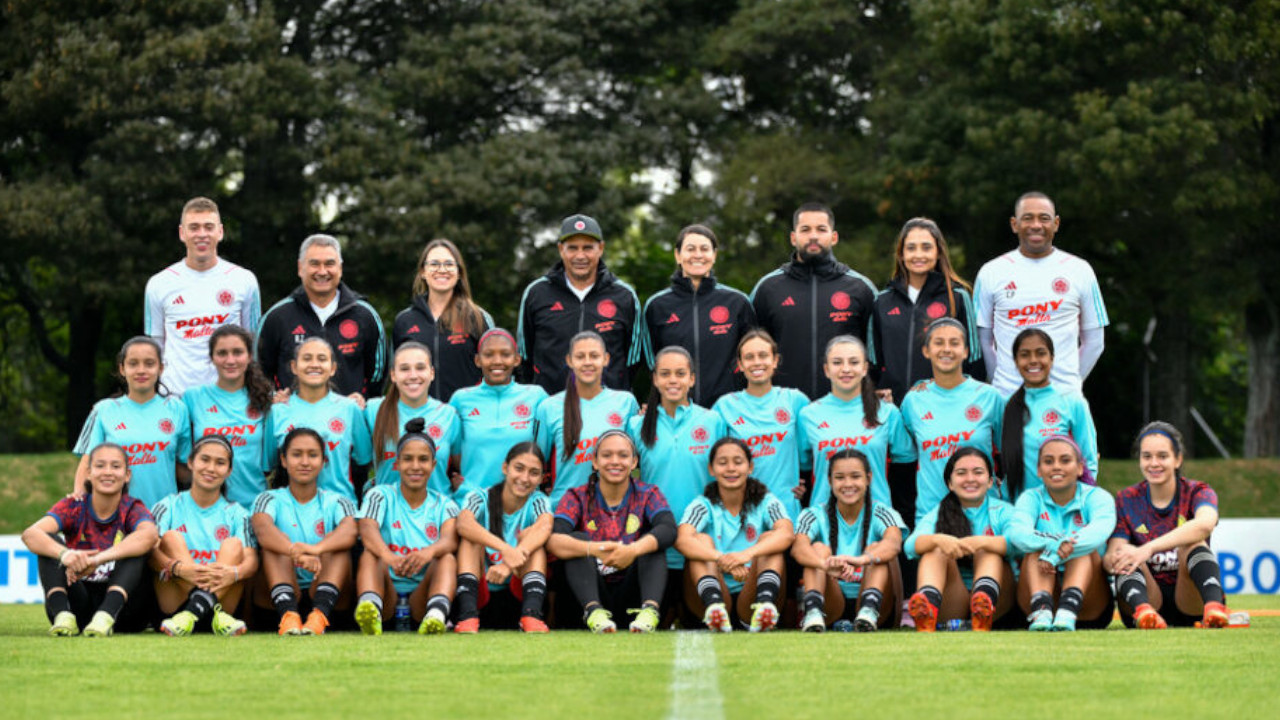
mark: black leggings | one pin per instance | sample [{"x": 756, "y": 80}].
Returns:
[
  {"x": 646, "y": 579},
  {"x": 86, "y": 597}
]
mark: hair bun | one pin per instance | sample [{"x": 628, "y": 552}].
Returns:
[{"x": 415, "y": 425}]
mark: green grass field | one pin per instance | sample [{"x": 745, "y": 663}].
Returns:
[
  {"x": 1112, "y": 673},
  {"x": 30, "y": 484}
]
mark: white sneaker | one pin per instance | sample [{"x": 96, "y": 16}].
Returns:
[
  {"x": 716, "y": 618},
  {"x": 814, "y": 621}
]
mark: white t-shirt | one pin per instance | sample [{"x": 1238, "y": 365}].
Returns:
[
  {"x": 326, "y": 312},
  {"x": 184, "y": 306},
  {"x": 1058, "y": 294}
]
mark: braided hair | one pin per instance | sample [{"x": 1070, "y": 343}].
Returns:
[{"x": 833, "y": 514}]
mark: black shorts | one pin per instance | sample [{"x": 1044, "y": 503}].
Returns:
[{"x": 1168, "y": 610}]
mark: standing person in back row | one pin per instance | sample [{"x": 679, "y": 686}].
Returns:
[
  {"x": 191, "y": 298},
  {"x": 1038, "y": 285},
  {"x": 323, "y": 306},
  {"x": 579, "y": 294},
  {"x": 810, "y": 300}
]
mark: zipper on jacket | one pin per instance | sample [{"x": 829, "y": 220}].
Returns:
[
  {"x": 697, "y": 346},
  {"x": 911, "y": 349},
  {"x": 813, "y": 333}
]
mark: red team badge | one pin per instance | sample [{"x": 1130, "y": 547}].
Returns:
[
  {"x": 751, "y": 533},
  {"x": 607, "y": 309},
  {"x": 1061, "y": 286},
  {"x": 435, "y": 431},
  {"x": 432, "y": 532},
  {"x": 522, "y": 411},
  {"x": 336, "y": 426},
  {"x": 615, "y": 419},
  {"x": 700, "y": 434},
  {"x": 166, "y": 426},
  {"x": 579, "y": 225},
  {"x": 253, "y": 413},
  {"x": 222, "y": 533},
  {"x": 973, "y": 413},
  {"x": 782, "y": 416},
  {"x": 1051, "y": 417},
  {"x": 349, "y": 329},
  {"x": 225, "y": 298},
  {"x": 840, "y": 300},
  {"x": 719, "y": 314},
  {"x": 320, "y": 528},
  {"x": 936, "y": 310}
]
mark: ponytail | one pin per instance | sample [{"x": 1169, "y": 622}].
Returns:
[
  {"x": 386, "y": 424},
  {"x": 1016, "y": 417},
  {"x": 256, "y": 384},
  {"x": 951, "y": 518},
  {"x": 649, "y": 427},
  {"x": 571, "y": 426},
  {"x": 496, "y": 520}
]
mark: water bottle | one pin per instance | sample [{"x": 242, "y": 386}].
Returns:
[
  {"x": 842, "y": 626},
  {"x": 956, "y": 626},
  {"x": 404, "y": 618}
]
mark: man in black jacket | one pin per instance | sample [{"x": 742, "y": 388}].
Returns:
[
  {"x": 579, "y": 293},
  {"x": 810, "y": 300},
  {"x": 324, "y": 306}
]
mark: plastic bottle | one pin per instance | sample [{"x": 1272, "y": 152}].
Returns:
[
  {"x": 404, "y": 618},
  {"x": 955, "y": 626}
]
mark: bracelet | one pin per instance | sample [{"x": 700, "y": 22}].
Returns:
[
  {"x": 173, "y": 569},
  {"x": 63, "y": 554},
  {"x": 236, "y": 570}
]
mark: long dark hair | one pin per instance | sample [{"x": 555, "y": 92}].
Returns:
[
  {"x": 572, "y": 423},
  {"x": 460, "y": 314},
  {"x": 754, "y": 492},
  {"x": 256, "y": 383},
  {"x": 833, "y": 514},
  {"x": 867, "y": 389},
  {"x": 495, "y": 492},
  {"x": 160, "y": 389},
  {"x": 1159, "y": 427},
  {"x": 88, "y": 486},
  {"x": 280, "y": 477},
  {"x": 222, "y": 443},
  {"x": 386, "y": 424},
  {"x": 649, "y": 428},
  {"x": 951, "y": 518},
  {"x": 948, "y": 273},
  {"x": 1016, "y": 417}
]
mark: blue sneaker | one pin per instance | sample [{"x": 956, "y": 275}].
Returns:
[
  {"x": 1064, "y": 621},
  {"x": 1041, "y": 621}
]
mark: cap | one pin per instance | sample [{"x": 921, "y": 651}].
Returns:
[{"x": 580, "y": 225}]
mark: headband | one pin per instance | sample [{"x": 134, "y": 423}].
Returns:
[
  {"x": 1087, "y": 475},
  {"x": 206, "y": 439},
  {"x": 495, "y": 332},
  {"x": 1157, "y": 431}
]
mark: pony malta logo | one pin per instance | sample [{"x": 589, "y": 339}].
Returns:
[{"x": 336, "y": 426}]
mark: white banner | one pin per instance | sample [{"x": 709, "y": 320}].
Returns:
[{"x": 1248, "y": 550}]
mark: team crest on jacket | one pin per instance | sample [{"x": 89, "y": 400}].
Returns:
[
  {"x": 973, "y": 413},
  {"x": 935, "y": 310},
  {"x": 615, "y": 419},
  {"x": 700, "y": 434},
  {"x": 1051, "y": 417},
  {"x": 336, "y": 426},
  {"x": 349, "y": 329},
  {"x": 607, "y": 309},
  {"x": 840, "y": 300},
  {"x": 782, "y": 416},
  {"x": 1061, "y": 286},
  {"x": 225, "y": 298},
  {"x": 166, "y": 426},
  {"x": 222, "y": 533},
  {"x": 435, "y": 431},
  {"x": 522, "y": 411},
  {"x": 432, "y": 532},
  {"x": 719, "y": 314},
  {"x": 320, "y": 528},
  {"x": 751, "y": 532}
]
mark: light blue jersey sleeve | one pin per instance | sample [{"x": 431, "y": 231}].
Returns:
[
  {"x": 361, "y": 437},
  {"x": 799, "y": 401},
  {"x": 773, "y": 512},
  {"x": 1085, "y": 432},
  {"x": 698, "y": 515},
  {"x": 374, "y": 506},
  {"x": 1100, "y": 507},
  {"x": 926, "y": 525},
  {"x": 1022, "y": 530},
  {"x": 546, "y": 428},
  {"x": 902, "y": 448},
  {"x": 812, "y": 524},
  {"x": 162, "y": 513},
  {"x": 91, "y": 434}
]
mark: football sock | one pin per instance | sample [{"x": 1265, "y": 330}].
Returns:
[
  {"x": 933, "y": 595},
  {"x": 1202, "y": 566},
  {"x": 200, "y": 602},
  {"x": 113, "y": 603},
  {"x": 1132, "y": 589},
  {"x": 871, "y": 598},
  {"x": 767, "y": 586},
  {"x": 468, "y": 596},
  {"x": 534, "y": 586},
  {"x": 439, "y": 602},
  {"x": 1071, "y": 599},
  {"x": 326, "y": 596},
  {"x": 813, "y": 600},
  {"x": 709, "y": 590},
  {"x": 988, "y": 586},
  {"x": 283, "y": 599},
  {"x": 371, "y": 597},
  {"x": 55, "y": 602},
  {"x": 1041, "y": 601}
]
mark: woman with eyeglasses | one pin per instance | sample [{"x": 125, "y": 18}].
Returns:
[{"x": 443, "y": 318}]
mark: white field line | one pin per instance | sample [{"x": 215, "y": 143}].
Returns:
[{"x": 695, "y": 687}]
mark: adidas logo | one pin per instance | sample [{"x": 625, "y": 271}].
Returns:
[
  {"x": 788, "y": 302},
  {"x": 212, "y": 409},
  {"x": 673, "y": 319},
  {"x": 557, "y": 306},
  {"x": 1142, "y": 529},
  {"x": 183, "y": 528},
  {"x": 120, "y": 426},
  {"x": 396, "y": 525},
  {"x": 414, "y": 329},
  {"x": 1044, "y": 516},
  {"x": 928, "y": 416},
  {"x": 179, "y": 301},
  {"x": 739, "y": 421},
  {"x": 299, "y": 330},
  {"x": 823, "y": 425},
  {"x": 1011, "y": 286},
  {"x": 895, "y": 311},
  {"x": 475, "y": 412}
]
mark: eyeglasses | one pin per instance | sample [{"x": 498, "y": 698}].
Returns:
[{"x": 446, "y": 266}]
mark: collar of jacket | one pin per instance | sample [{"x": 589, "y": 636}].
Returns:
[
  {"x": 346, "y": 297},
  {"x": 824, "y": 266},
  {"x": 604, "y": 278},
  {"x": 420, "y": 302},
  {"x": 682, "y": 285},
  {"x": 932, "y": 283}
]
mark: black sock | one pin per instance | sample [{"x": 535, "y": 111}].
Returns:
[
  {"x": 871, "y": 598},
  {"x": 468, "y": 596},
  {"x": 283, "y": 599},
  {"x": 56, "y": 602},
  {"x": 813, "y": 600},
  {"x": 113, "y": 603},
  {"x": 200, "y": 602},
  {"x": 767, "y": 585},
  {"x": 1071, "y": 599},
  {"x": 1132, "y": 589},
  {"x": 933, "y": 595},
  {"x": 988, "y": 586},
  {"x": 439, "y": 602},
  {"x": 1202, "y": 566},
  {"x": 709, "y": 590},
  {"x": 534, "y": 587},
  {"x": 325, "y": 597},
  {"x": 1041, "y": 601}
]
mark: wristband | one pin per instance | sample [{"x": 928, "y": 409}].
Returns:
[{"x": 63, "y": 554}]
